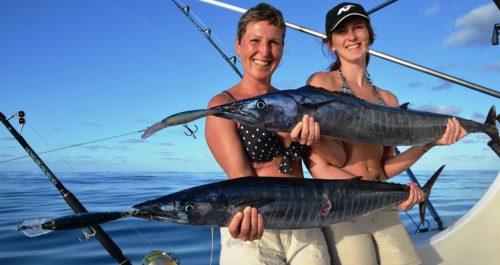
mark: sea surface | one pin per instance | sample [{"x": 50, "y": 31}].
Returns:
[{"x": 28, "y": 195}]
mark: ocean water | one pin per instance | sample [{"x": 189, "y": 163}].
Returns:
[{"x": 28, "y": 195}]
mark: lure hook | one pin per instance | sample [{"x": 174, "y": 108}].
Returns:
[
  {"x": 88, "y": 234},
  {"x": 191, "y": 132}
]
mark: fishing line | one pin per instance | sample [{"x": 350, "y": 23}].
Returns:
[
  {"x": 73, "y": 145},
  {"x": 196, "y": 21},
  {"x": 212, "y": 246},
  {"x": 157, "y": 29}
]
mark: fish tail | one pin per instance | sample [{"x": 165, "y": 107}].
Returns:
[
  {"x": 427, "y": 191},
  {"x": 492, "y": 130}
]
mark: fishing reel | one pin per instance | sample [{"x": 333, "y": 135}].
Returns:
[
  {"x": 157, "y": 257},
  {"x": 20, "y": 118}
]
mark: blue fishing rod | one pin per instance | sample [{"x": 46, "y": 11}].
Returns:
[{"x": 69, "y": 197}]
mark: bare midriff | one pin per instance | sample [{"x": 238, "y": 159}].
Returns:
[{"x": 364, "y": 160}]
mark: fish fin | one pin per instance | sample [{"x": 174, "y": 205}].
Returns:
[
  {"x": 335, "y": 93},
  {"x": 492, "y": 116},
  {"x": 492, "y": 131},
  {"x": 404, "y": 106},
  {"x": 316, "y": 88},
  {"x": 256, "y": 203},
  {"x": 495, "y": 146},
  {"x": 427, "y": 191}
]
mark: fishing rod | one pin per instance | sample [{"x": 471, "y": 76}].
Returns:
[
  {"x": 207, "y": 33},
  {"x": 381, "y": 55},
  {"x": 69, "y": 197},
  {"x": 410, "y": 174}
]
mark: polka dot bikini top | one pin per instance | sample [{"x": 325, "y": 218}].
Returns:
[
  {"x": 260, "y": 145},
  {"x": 263, "y": 146}
]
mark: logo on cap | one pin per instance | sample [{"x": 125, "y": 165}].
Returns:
[{"x": 344, "y": 9}]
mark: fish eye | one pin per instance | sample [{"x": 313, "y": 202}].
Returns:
[
  {"x": 260, "y": 104},
  {"x": 189, "y": 207}
]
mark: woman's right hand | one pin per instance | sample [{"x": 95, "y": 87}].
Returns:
[{"x": 247, "y": 225}]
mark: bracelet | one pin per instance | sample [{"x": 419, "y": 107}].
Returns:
[{"x": 422, "y": 148}]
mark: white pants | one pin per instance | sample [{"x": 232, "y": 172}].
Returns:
[
  {"x": 276, "y": 247},
  {"x": 378, "y": 238}
]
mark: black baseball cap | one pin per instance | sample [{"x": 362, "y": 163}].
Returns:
[{"x": 341, "y": 12}]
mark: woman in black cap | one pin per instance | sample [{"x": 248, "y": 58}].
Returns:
[
  {"x": 379, "y": 238},
  {"x": 246, "y": 151}
]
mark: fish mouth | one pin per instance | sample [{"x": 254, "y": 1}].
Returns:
[{"x": 236, "y": 111}]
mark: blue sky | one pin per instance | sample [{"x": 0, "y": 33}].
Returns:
[{"x": 89, "y": 69}]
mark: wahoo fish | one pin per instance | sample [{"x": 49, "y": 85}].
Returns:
[
  {"x": 285, "y": 203},
  {"x": 340, "y": 116}
]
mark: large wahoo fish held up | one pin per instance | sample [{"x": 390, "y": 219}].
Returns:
[
  {"x": 286, "y": 203},
  {"x": 339, "y": 115}
]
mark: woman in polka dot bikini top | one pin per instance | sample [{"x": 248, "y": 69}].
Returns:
[{"x": 244, "y": 151}]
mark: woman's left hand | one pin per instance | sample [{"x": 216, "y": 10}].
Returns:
[
  {"x": 417, "y": 195},
  {"x": 454, "y": 132},
  {"x": 306, "y": 132}
]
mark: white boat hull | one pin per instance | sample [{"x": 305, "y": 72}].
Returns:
[{"x": 473, "y": 239}]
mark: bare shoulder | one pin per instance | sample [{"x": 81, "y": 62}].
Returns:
[
  {"x": 323, "y": 79},
  {"x": 219, "y": 99},
  {"x": 389, "y": 98}
]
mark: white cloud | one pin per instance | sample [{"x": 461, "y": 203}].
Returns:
[
  {"x": 433, "y": 9},
  {"x": 492, "y": 67},
  {"x": 475, "y": 27},
  {"x": 442, "y": 86},
  {"x": 448, "y": 110}
]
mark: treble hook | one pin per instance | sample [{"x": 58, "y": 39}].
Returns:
[
  {"x": 87, "y": 235},
  {"x": 191, "y": 132}
]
